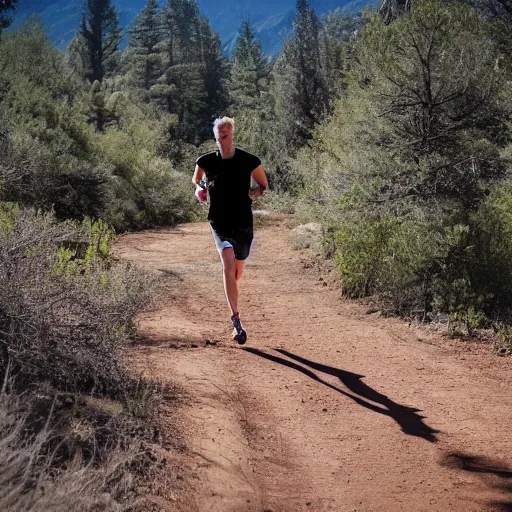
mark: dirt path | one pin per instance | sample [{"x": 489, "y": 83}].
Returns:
[{"x": 328, "y": 408}]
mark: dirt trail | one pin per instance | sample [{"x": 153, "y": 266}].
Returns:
[{"x": 328, "y": 408}]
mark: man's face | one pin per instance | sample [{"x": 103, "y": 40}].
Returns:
[{"x": 225, "y": 135}]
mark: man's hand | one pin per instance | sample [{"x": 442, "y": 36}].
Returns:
[
  {"x": 256, "y": 191},
  {"x": 260, "y": 178},
  {"x": 201, "y": 194}
]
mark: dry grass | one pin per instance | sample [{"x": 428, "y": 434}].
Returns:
[
  {"x": 30, "y": 478},
  {"x": 77, "y": 429}
]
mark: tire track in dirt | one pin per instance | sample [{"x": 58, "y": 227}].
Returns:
[{"x": 328, "y": 409}]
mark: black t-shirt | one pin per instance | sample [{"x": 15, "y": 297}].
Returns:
[{"x": 228, "y": 181}]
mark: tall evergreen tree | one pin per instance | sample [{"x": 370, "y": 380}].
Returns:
[
  {"x": 144, "y": 37},
  {"x": 6, "y": 5},
  {"x": 75, "y": 56},
  {"x": 337, "y": 30},
  {"x": 102, "y": 34},
  {"x": 312, "y": 94},
  {"x": 191, "y": 85},
  {"x": 299, "y": 77},
  {"x": 249, "y": 89},
  {"x": 183, "y": 73},
  {"x": 249, "y": 72},
  {"x": 216, "y": 72},
  {"x": 182, "y": 29}
]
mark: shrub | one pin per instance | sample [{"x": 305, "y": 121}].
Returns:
[
  {"x": 491, "y": 253},
  {"x": 166, "y": 196},
  {"x": 77, "y": 430},
  {"x": 63, "y": 319},
  {"x": 400, "y": 173},
  {"x": 387, "y": 256},
  {"x": 156, "y": 196},
  {"x": 417, "y": 269},
  {"x": 29, "y": 481},
  {"x": 148, "y": 191}
]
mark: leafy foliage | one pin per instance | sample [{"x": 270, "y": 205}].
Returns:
[
  {"x": 405, "y": 169},
  {"x": 53, "y": 156}
]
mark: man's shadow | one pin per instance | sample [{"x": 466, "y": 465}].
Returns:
[
  {"x": 493, "y": 473},
  {"x": 410, "y": 422}
]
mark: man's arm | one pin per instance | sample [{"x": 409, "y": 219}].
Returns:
[
  {"x": 198, "y": 175},
  {"x": 201, "y": 192},
  {"x": 259, "y": 176}
]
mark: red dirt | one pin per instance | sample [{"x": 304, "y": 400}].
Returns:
[{"x": 329, "y": 408}]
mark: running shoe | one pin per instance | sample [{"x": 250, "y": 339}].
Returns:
[{"x": 239, "y": 333}]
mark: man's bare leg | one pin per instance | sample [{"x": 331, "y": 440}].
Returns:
[
  {"x": 239, "y": 270},
  {"x": 232, "y": 273},
  {"x": 229, "y": 275}
]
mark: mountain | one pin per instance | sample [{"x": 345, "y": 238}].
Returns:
[{"x": 271, "y": 19}]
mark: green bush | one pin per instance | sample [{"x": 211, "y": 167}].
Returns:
[
  {"x": 389, "y": 257},
  {"x": 416, "y": 269},
  {"x": 73, "y": 419},
  {"x": 64, "y": 315},
  {"x": 425, "y": 268},
  {"x": 491, "y": 262},
  {"x": 34, "y": 176},
  {"x": 406, "y": 172},
  {"x": 55, "y": 157}
]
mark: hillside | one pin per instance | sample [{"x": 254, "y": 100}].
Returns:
[{"x": 272, "y": 19}]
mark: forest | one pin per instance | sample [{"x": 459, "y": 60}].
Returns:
[{"x": 391, "y": 129}]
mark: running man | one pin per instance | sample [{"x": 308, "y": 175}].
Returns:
[{"x": 225, "y": 176}]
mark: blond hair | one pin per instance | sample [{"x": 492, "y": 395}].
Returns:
[{"x": 221, "y": 121}]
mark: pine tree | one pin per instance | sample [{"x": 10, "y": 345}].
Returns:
[
  {"x": 186, "y": 93},
  {"x": 6, "y": 5},
  {"x": 249, "y": 72},
  {"x": 75, "y": 56},
  {"x": 102, "y": 34},
  {"x": 337, "y": 30},
  {"x": 216, "y": 73},
  {"x": 191, "y": 86},
  {"x": 312, "y": 93},
  {"x": 251, "y": 106},
  {"x": 300, "y": 88},
  {"x": 181, "y": 24},
  {"x": 144, "y": 37}
]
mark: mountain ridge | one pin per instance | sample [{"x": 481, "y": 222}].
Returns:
[{"x": 271, "y": 20}]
